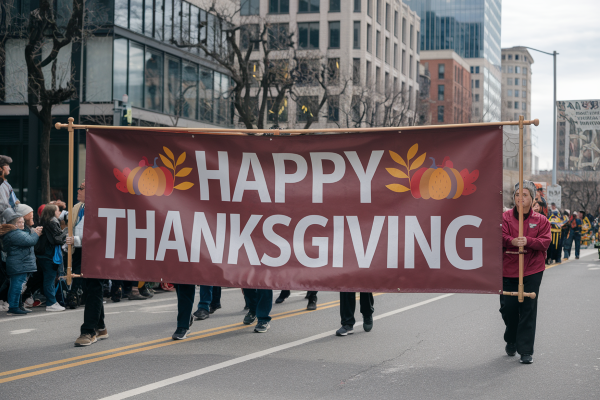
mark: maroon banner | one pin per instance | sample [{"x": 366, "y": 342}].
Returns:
[{"x": 417, "y": 211}]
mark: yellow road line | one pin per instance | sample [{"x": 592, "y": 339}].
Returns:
[{"x": 155, "y": 344}]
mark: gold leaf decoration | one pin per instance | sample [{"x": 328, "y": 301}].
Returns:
[
  {"x": 165, "y": 161},
  {"x": 184, "y": 186},
  {"x": 418, "y": 162},
  {"x": 396, "y": 157},
  {"x": 180, "y": 160},
  {"x": 169, "y": 154},
  {"x": 396, "y": 173},
  {"x": 412, "y": 151},
  {"x": 397, "y": 188},
  {"x": 183, "y": 172}
]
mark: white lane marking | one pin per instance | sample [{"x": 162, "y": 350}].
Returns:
[
  {"x": 19, "y": 331},
  {"x": 252, "y": 356},
  {"x": 591, "y": 269}
]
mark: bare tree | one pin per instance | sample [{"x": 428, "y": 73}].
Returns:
[{"x": 581, "y": 190}]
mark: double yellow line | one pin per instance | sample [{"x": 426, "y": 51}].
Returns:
[{"x": 72, "y": 362}]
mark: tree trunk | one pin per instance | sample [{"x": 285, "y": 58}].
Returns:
[{"x": 46, "y": 120}]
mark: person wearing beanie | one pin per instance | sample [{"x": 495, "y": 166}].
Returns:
[{"x": 520, "y": 318}]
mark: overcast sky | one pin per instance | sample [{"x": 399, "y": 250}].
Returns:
[{"x": 572, "y": 28}]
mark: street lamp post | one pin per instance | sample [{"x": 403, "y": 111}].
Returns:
[{"x": 553, "y": 54}]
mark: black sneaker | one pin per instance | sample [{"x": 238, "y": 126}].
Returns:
[
  {"x": 312, "y": 304},
  {"x": 262, "y": 327},
  {"x": 146, "y": 291},
  {"x": 212, "y": 309},
  {"x": 526, "y": 359},
  {"x": 344, "y": 330},
  {"x": 511, "y": 349},
  {"x": 249, "y": 318},
  {"x": 281, "y": 298},
  {"x": 201, "y": 314},
  {"x": 180, "y": 334},
  {"x": 22, "y": 308},
  {"x": 115, "y": 297},
  {"x": 367, "y": 323},
  {"x": 577, "y": 258}
]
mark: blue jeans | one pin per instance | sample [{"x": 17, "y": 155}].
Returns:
[
  {"x": 17, "y": 281},
  {"x": 49, "y": 277},
  {"x": 260, "y": 302},
  {"x": 206, "y": 293}
]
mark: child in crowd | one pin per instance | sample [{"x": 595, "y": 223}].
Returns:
[
  {"x": 50, "y": 257},
  {"x": 18, "y": 242}
]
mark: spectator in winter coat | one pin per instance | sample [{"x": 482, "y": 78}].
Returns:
[
  {"x": 7, "y": 196},
  {"x": 18, "y": 242}
]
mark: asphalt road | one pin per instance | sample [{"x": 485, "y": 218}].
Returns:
[{"x": 422, "y": 346}]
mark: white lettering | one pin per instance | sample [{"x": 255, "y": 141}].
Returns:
[
  {"x": 281, "y": 178},
  {"x": 111, "y": 215},
  {"x": 134, "y": 233},
  {"x": 172, "y": 222},
  {"x": 202, "y": 230},
  {"x": 412, "y": 230},
  {"x": 476, "y": 244},
  {"x": 271, "y": 236},
  {"x": 320, "y": 242},
  {"x": 365, "y": 256},
  {"x": 259, "y": 184},
  {"x": 392, "y": 250},
  {"x": 319, "y": 178},
  {"x": 338, "y": 241},
  {"x": 365, "y": 176},
  {"x": 237, "y": 239},
  {"x": 222, "y": 174}
]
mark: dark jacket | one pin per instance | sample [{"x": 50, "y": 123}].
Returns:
[
  {"x": 53, "y": 236},
  {"x": 18, "y": 245}
]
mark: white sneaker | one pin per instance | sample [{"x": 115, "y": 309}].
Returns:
[
  {"x": 3, "y": 306},
  {"x": 55, "y": 307},
  {"x": 28, "y": 302}
]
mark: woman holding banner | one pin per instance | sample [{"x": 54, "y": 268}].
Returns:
[{"x": 520, "y": 318}]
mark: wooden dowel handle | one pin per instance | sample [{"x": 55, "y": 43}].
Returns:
[{"x": 531, "y": 295}]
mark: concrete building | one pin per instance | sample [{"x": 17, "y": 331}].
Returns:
[
  {"x": 372, "y": 43},
  {"x": 450, "y": 92},
  {"x": 472, "y": 30}
]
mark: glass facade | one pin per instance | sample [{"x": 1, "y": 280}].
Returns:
[{"x": 469, "y": 27}]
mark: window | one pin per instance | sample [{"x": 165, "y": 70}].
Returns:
[
  {"x": 333, "y": 71},
  {"x": 477, "y": 97},
  {"x": 277, "y": 114},
  {"x": 525, "y": 58},
  {"x": 334, "y": 35},
  {"x": 524, "y": 82},
  {"x": 177, "y": 20},
  {"x": 356, "y": 71},
  {"x": 378, "y": 14},
  {"x": 516, "y": 116},
  {"x": 510, "y": 104},
  {"x": 509, "y": 81},
  {"x": 333, "y": 108},
  {"x": 120, "y": 68},
  {"x": 523, "y": 106},
  {"x": 356, "y": 5},
  {"x": 396, "y": 23},
  {"x": 476, "y": 83},
  {"x": 441, "y": 92},
  {"x": 158, "y": 19},
  {"x": 386, "y": 83},
  {"x": 516, "y": 81},
  {"x": 308, "y": 35},
  {"x": 517, "y": 70},
  {"x": 334, "y": 5},
  {"x": 189, "y": 90},
  {"x": 378, "y": 79},
  {"x": 404, "y": 30},
  {"x": 370, "y": 8},
  {"x": 387, "y": 50},
  {"x": 524, "y": 94},
  {"x": 279, "y": 6},
  {"x": 524, "y": 70},
  {"x": 194, "y": 26},
  {"x": 403, "y": 61},
  {"x": 516, "y": 92},
  {"x": 476, "y": 70},
  {"x": 516, "y": 57},
  {"x": 441, "y": 71},
  {"x": 306, "y": 108},
  {"x": 378, "y": 44},
  {"x": 412, "y": 31},
  {"x": 369, "y": 38},
  {"x": 135, "y": 87},
  {"x": 249, "y": 37},
  {"x": 510, "y": 69},
  {"x": 476, "y": 112},
  {"x": 387, "y": 17},
  {"x": 311, "y": 6},
  {"x": 440, "y": 116},
  {"x": 472, "y": 69},
  {"x": 277, "y": 36},
  {"x": 148, "y": 17},
  {"x": 253, "y": 73},
  {"x": 135, "y": 15},
  {"x": 153, "y": 86},
  {"x": 356, "y": 38},
  {"x": 309, "y": 72},
  {"x": 509, "y": 93},
  {"x": 510, "y": 56},
  {"x": 172, "y": 85},
  {"x": 206, "y": 94},
  {"x": 410, "y": 68},
  {"x": 98, "y": 69},
  {"x": 250, "y": 7},
  {"x": 168, "y": 30},
  {"x": 516, "y": 105},
  {"x": 369, "y": 71},
  {"x": 396, "y": 55}
]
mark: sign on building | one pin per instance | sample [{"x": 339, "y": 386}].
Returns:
[
  {"x": 554, "y": 195},
  {"x": 581, "y": 119}
]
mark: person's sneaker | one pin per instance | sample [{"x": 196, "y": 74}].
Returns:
[
  {"x": 28, "y": 302},
  {"x": 577, "y": 258},
  {"x": 146, "y": 292},
  {"x": 249, "y": 318},
  {"x": 22, "y": 307},
  {"x": 180, "y": 334},
  {"x": 526, "y": 359},
  {"x": 116, "y": 295},
  {"x": 55, "y": 307},
  {"x": 262, "y": 327},
  {"x": 16, "y": 311},
  {"x": 312, "y": 305},
  {"x": 212, "y": 309},
  {"x": 565, "y": 259},
  {"x": 367, "y": 323},
  {"x": 344, "y": 330},
  {"x": 281, "y": 298},
  {"x": 201, "y": 314},
  {"x": 85, "y": 339},
  {"x": 511, "y": 349},
  {"x": 135, "y": 296},
  {"x": 72, "y": 300},
  {"x": 101, "y": 334}
]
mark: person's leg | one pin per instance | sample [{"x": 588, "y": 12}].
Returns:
[
  {"x": 185, "y": 304},
  {"x": 528, "y": 315},
  {"x": 216, "y": 297},
  {"x": 509, "y": 308},
  {"x": 567, "y": 245},
  {"x": 312, "y": 300},
  {"x": 284, "y": 294},
  {"x": 577, "y": 239},
  {"x": 251, "y": 298},
  {"x": 366, "y": 304},
  {"x": 347, "y": 308},
  {"x": 206, "y": 293},
  {"x": 34, "y": 283},
  {"x": 558, "y": 252},
  {"x": 93, "y": 314},
  {"x": 49, "y": 277},
  {"x": 264, "y": 303},
  {"x": 17, "y": 283}
]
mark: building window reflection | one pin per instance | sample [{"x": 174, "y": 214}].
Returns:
[{"x": 153, "y": 80}]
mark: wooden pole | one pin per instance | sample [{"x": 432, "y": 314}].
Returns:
[
  {"x": 521, "y": 255},
  {"x": 70, "y": 200}
]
